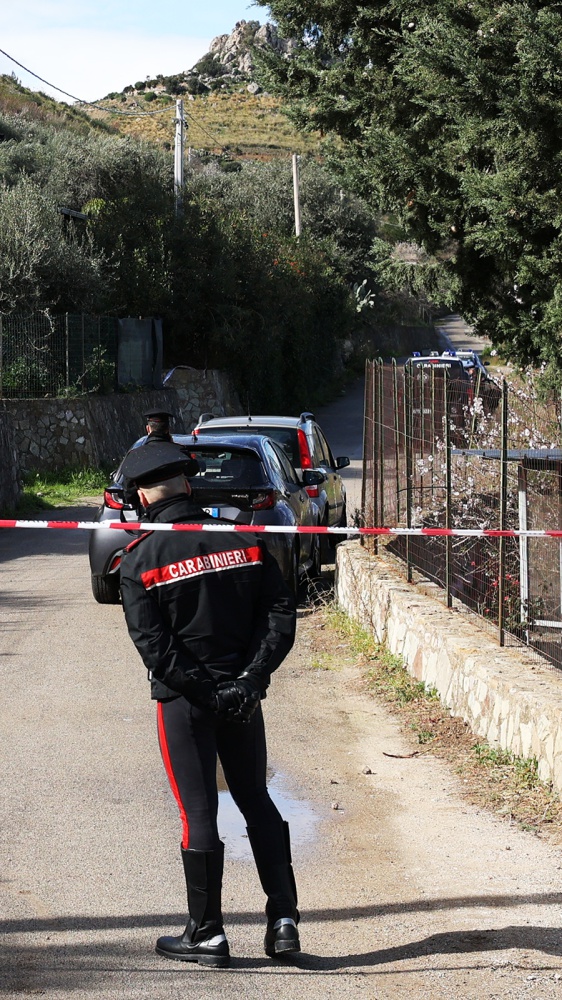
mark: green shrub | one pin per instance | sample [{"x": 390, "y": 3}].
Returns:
[
  {"x": 195, "y": 86},
  {"x": 209, "y": 66}
]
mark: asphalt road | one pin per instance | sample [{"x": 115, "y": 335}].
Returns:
[
  {"x": 460, "y": 335},
  {"x": 404, "y": 889},
  {"x": 342, "y": 422}
]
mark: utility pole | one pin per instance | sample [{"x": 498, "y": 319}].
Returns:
[
  {"x": 296, "y": 194},
  {"x": 178, "y": 156}
]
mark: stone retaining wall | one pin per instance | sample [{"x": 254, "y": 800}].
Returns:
[
  {"x": 203, "y": 392},
  {"x": 9, "y": 480},
  {"x": 98, "y": 430},
  {"x": 504, "y": 694}
]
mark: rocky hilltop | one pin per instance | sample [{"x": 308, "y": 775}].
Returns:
[
  {"x": 227, "y": 66},
  {"x": 233, "y": 53}
]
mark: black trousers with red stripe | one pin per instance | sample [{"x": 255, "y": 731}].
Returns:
[{"x": 190, "y": 739}]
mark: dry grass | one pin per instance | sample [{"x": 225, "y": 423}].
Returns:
[{"x": 248, "y": 126}]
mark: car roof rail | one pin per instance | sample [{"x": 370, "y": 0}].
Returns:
[{"x": 307, "y": 415}]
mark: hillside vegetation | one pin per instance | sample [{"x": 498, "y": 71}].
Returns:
[
  {"x": 233, "y": 285},
  {"x": 38, "y": 107},
  {"x": 244, "y": 125}
]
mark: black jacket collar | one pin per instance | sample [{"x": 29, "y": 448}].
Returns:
[{"x": 177, "y": 508}]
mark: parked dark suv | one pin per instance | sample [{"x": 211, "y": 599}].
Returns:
[{"x": 306, "y": 447}]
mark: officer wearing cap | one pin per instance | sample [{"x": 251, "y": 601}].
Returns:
[
  {"x": 157, "y": 426},
  {"x": 212, "y": 619}
]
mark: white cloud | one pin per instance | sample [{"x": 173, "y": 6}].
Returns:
[{"x": 90, "y": 64}]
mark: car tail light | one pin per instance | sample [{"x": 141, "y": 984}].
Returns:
[
  {"x": 110, "y": 500},
  {"x": 263, "y": 501},
  {"x": 312, "y": 491},
  {"x": 304, "y": 450}
]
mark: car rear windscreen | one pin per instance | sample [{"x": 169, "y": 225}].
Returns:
[
  {"x": 284, "y": 436},
  {"x": 228, "y": 469}
]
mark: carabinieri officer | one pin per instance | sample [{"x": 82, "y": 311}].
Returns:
[{"x": 212, "y": 619}]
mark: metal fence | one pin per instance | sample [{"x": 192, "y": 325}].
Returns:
[
  {"x": 459, "y": 453},
  {"x": 44, "y": 355}
]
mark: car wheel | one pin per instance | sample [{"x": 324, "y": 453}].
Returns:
[
  {"x": 313, "y": 574},
  {"x": 334, "y": 540},
  {"x": 106, "y": 589},
  {"x": 326, "y": 546},
  {"x": 315, "y": 570},
  {"x": 293, "y": 575}
]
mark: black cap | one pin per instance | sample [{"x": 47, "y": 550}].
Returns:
[
  {"x": 157, "y": 415},
  {"x": 146, "y": 466}
]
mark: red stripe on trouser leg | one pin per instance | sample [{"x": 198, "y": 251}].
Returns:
[{"x": 171, "y": 777}]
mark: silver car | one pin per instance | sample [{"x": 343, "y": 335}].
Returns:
[{"x": 306, "y": 447}]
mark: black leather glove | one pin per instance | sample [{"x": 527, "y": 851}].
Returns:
[
  {"x": 205, "y": 695},
  {"x": 237, "y": 700}
]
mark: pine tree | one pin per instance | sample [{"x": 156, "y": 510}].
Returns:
[{"x": 447, "y": 114}]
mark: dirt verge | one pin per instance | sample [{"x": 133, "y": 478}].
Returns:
[{"x": 490, "y": 778}]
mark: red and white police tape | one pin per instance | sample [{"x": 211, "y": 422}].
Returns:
[{"x": 279, "y": 529}]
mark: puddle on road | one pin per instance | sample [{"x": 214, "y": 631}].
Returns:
[{"x": 232, "y": 828}]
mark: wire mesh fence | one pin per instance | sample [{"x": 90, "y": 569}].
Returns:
[
  {"x": 43, "y": 355},
  {"x": 447, "y": 450}
]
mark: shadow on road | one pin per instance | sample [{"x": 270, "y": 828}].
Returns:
[
  {"x": 79, "y": 966},
  {"x": 95, "y": 923},
  {"x": 54, "y": 960}
]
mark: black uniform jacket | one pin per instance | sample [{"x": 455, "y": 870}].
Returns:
[{"x": 203, "y": 606}]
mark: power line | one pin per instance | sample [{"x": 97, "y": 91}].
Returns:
[
  {"x": 203, "y": 129},
  {"x": 115, "y": 111},
  {"x": 90, "y": 104}
]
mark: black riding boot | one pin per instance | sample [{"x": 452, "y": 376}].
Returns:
[
  {"x": 271, "y": 848},
  {"x": 203, "y": 940}
]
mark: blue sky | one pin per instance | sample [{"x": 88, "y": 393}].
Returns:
[{"x": 92, "y": 47}]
